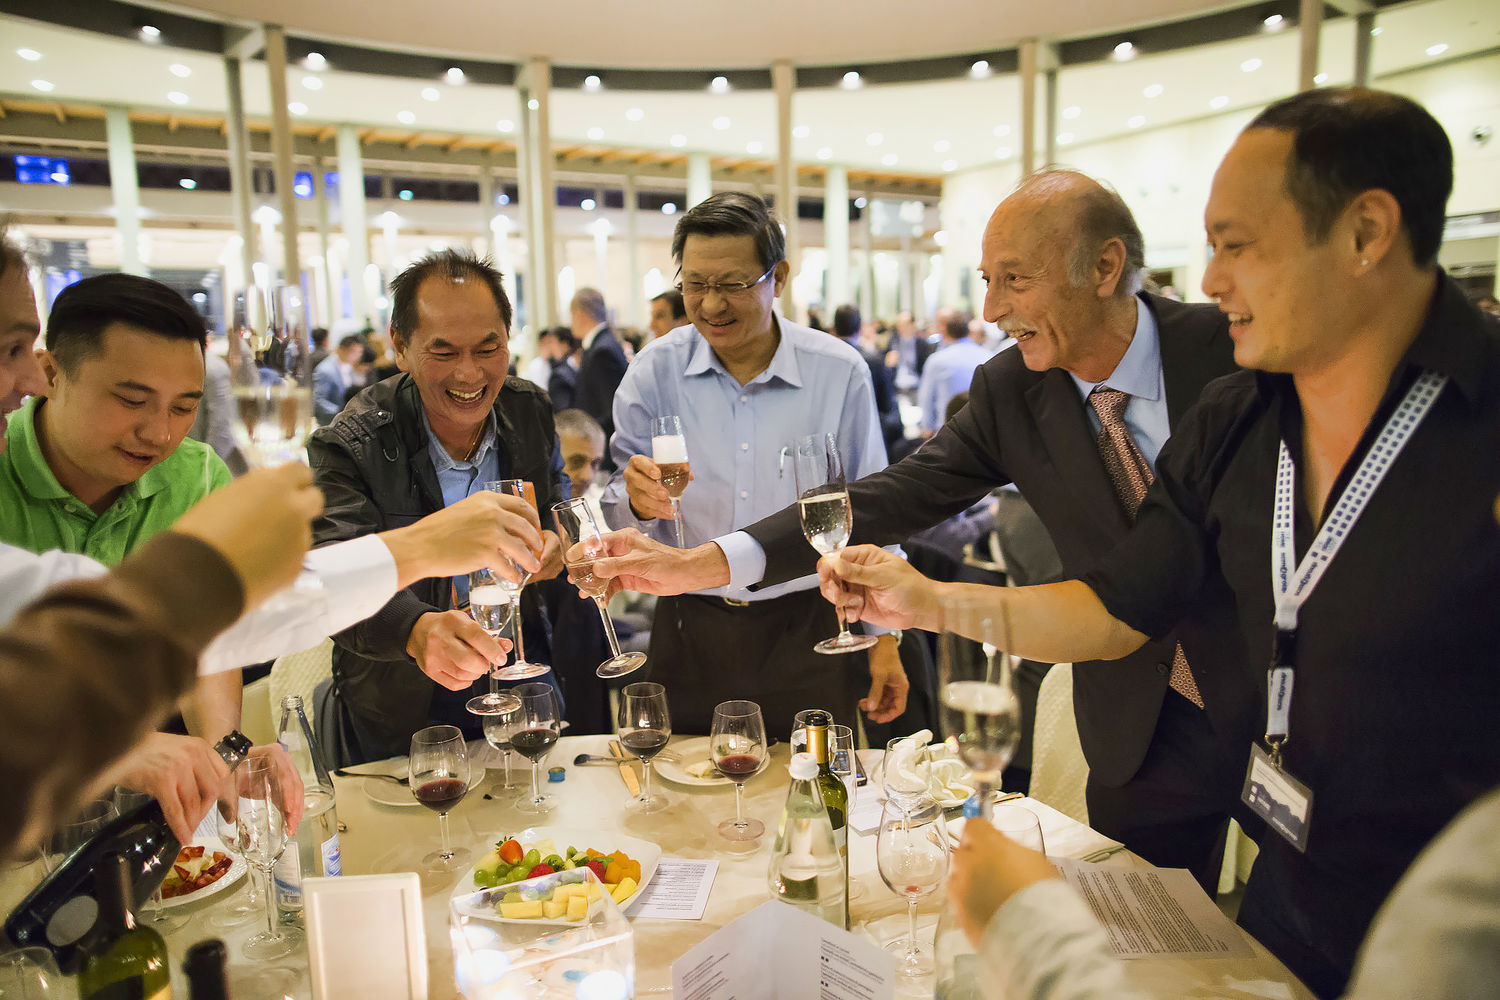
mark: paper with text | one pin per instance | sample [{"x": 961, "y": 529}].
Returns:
[
  {"x": 678, "y": 890},
  {"x": 1154, "y": 912}
]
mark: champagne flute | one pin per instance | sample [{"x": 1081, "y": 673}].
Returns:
[
  {"x": 669, "y": 452},
  {"x": 491, "y": 603},
  {"x": 583, "y": 542},
  {"x": 260, "y": 838},
  {"x": 519, "y": 669},
  {"x": 911, "y": 851},
  {"x": 978, "y": 709},
  {"x": 438, "y": 767},
  {"x": 737, "y": 740},
  {"x": 538, "y": 722},
  {"x": 498, "y": 727},
  {"x": 645, "y": 727},
  {"x": 267, "y": 356},
  {"x": 827, "y": 518}
]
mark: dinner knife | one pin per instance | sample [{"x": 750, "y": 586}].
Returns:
[{"x": 627, "y": 773}]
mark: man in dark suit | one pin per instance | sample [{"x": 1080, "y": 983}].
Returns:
[
  {"x": 1061, "y": 257},
  {"x": 846, "y": 327},
  {"x": 603, "y": 362}
]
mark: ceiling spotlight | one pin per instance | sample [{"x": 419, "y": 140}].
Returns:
[
  {"x": 1001, "y": 131},
  {"x": 150, "y": 33},
  {"x": 505, "y": 125},
  {"x": 177, "y": 97},
  {"x": 187, "y": 183},
  {"x": 851, "y": 80},
  {"x": 875, "y": 138},
  {"x": 405, "y": 117},
  {"x": 1064, "y": 138},
  {"x": 942, "y": 146},
  {"x": 1320, "y": 79},
  {"x": 721, "y": 123},
  {"x": 587, "y": 204},
  {"x": 1219, "y": 102},
  {"x": 669, "y": 208},
  {"x": 861, "y": 202},
  {"x": 1003, "y": 153},
  {"x": 1274, "y": 23},
  {"x": 1154, "y": 90},
  {"x": 179, "y": 70},
  {"x": 297, "y": 108},
  {"x": 47, "y": 86},
  {"x": 596, "y": 133},
  {"x": 678, "y": 141},
  {"x": 315, "y": 61},
  {"x": 1125, "y": 50},
  {"x": 533, "y": 104},
  {"x": 634, "y": 114},
  {"x": 1438, "y": 49},
  {"x": 940, "y": 237},
  {"x": 312, "y": 82},
  {"x": 1070, "y": 112},
  {"x": 980, "y": 69},
  {"x": 405, "y": 194},
  {"x": 454, "y": 75},
  {"x": 302, "y": 189},
  {"x": 1136, "y": 121},
  {"x": 430, "y": 94},
  {"x": 30, "y": 55},
  {"x": 949, "y": 166},
  {"x": 801, "y": 132},
  {"x": 1251, "y": 65},
  {"x": 889, "y": 159},
  {"x": 719, "y": 85},
  {"x": 592, "y": 82},
  {"x": 825, "y": 153},
  {"x": 753, "y": 148}
]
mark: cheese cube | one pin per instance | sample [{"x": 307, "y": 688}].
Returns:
[
  {"x": 578, "y": 908},
  {"x": 530, "y": 909},
  {"x": 553, "y": 909},
  {"x": 624, "y": 890}
]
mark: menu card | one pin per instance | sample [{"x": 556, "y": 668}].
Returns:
[
  {"x": 678, "y": 890},
  {"x": 1154, "y": 912},
  {"x": 777, "y": 950}
]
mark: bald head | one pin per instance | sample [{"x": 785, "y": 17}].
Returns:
[{"x": 1083, "y": 217}]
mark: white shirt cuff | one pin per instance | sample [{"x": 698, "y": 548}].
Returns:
[
  {"x": 358, "y": 575},
  {"x": 747, "y": 560}
]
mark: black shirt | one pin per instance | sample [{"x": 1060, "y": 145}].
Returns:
[{"x": 1395, "y": 717}]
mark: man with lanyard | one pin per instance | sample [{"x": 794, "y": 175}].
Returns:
[{"x": 1378, "y": 384}]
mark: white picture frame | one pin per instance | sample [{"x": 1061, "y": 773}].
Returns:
[{"x": 366, "y": 937}]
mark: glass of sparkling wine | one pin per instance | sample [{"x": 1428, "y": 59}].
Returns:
[
  {"x": 491, "y": 604},
  {"x": 520, "y": 669},
  {"x": 669, "y": 452},
  {"x": 979, "y": 711},
  {"x": 827, "y": 518},
  {"x": 583, "y": 542},
  {"x": 267, "y": 354}
]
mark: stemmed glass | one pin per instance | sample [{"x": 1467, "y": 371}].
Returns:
[
  {"x": 737, "y": 741},
  {"x": 911, "y": 851},
  {"x": 267, "y": 356},
  {"x": 260, "y": 838},
  {"x": 498, "y": 727},
  {"x": 537, "y": 723},
  {"x": 827, "y": 518},
  {"x": 645, "y": 727},
  {"x": 978, "y": 709},
  {"x": 246, "y": 905},
  {"x": 438, "y": 767},
  {"x": 583, "y": 542},
  {"x": 669, "y": 452},
  {"x": 520, "y": 669},
  {"x": 841, "y": 762},
  {"x": 904, "y": 772}
]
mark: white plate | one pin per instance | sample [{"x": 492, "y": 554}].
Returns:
[
  {"x": 388, "y": 793},
  {"x": 688, "y": 762},
  {"x": 236, "y": 871},
  {"x": 647, "y": 853}
]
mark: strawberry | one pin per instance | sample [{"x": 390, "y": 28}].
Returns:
[
  {"x": 595, "y": 866},
  {"x": 540, "y": 870}
]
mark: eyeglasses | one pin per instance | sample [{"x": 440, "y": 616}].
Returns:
[{"x": 726, "y": 289}]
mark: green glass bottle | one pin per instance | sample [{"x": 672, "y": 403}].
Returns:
[
  {"x": 125, "y": 961},
  {"x": 835, "y": 795}
]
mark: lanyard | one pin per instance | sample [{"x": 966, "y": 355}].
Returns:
[{"x": 1292, "y": 587}]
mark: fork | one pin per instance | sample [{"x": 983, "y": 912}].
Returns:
[{"x": 404, "y": 782}]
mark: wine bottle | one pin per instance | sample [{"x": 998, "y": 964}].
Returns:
[
  {"x": 805, "y": 869},
  {"x": 206, "y": 968},
  {"x": 317, "y": 841},
  {"x": 61, "y": 911},
  {"x": 835, "y": 795},
  {"x": 123, "y": 961}
]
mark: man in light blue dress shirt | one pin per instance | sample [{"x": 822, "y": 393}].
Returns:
[{"x": 746, "y": 383}]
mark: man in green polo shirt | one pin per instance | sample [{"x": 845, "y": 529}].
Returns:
[{"x": 98, "y": 464}]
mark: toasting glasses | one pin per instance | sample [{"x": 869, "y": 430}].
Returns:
[
  {"x": 583, "y": 542},
  {"x": 827, "y": 518},
  {"x": 978, "y": 709},
  {"x": 669, "y": 452}
]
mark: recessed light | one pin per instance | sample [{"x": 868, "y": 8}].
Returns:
[
  {"x": 980, "y": 69},
  {"x": 596, "y": 133},
  {"x": 721, "y": 123},
  {"x": 312, "y": 82},
  {"x": 1002, "y": 153},
  {"x": 875, "y": 138},
  {"x": 1251, "y": 65},
  {"x": 592, "y": 82},
  {"x": 405, "y": 194},
  {"x": 1218, "y": 102},
  {"x": 315, "y": 61},
  {"x": 949, "y": 165},
  {"x": 1320, "y": 79},
  {"x": 942, "y": 146},
  {"x": 179, "y": 70},
  {"x": 1125, "y": 50},
  {"x": 851, "y": 80},
  {"x": 30, "y": 55},
  {"x": 297, "y": 108},
  {"x": 1274, "y": 23},
  {"x": 533, "y": 104},
  {"x": 177, "y": 97},
  {"x": 405, "y": 117},
  {"x": 302, "y": 189},
  {"x": 1001, "y": 131},
  {"x": 1154, "y": 90},
  {"x": 1438, "y": 49},
  {"x": 1136, "y": 121},
  {"x": 430, "y": 93},
  {"x": 669, "y": 208},
  {"x": 889, "y": 159},
  {"x": 753, "y": 148},
  {"x": 1070, "y": 112},
  {"x": 587, "y": 204},
  {"x": 505, "y": 125},
  {"x": 679, "y": 140},
  {"x": 454, "y": 75},
  {"x": 940, "y": 237},
  {"x": 1064, "y": 138},
  {"x": 150, "y": 32},
  {"x": 719, "y": 85},
  {"x": 825, "y": 153},
  {"x": 801, "y": 132},
  {"x": 634, "y": 114},
  {"x": 46, "y": 86},
  {"x": 187, "y": 183},
  {"x": 861, "y": 202}
]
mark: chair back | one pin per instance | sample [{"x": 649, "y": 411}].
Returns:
[
  {"x": 298, "y": 674},
  {"x": 1059, "y": 771}
]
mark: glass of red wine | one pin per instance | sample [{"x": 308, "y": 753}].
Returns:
[
  {"x": 537, "y": 723},
  {"x": 737, "y": 740},
  {"x": 645, "y": 727},
  {"x": 439, "y": 771}
]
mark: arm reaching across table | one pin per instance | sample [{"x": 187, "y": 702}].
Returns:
[{"x": 637, "y": 562}]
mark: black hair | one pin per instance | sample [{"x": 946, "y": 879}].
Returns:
[
  {"x": 451, "y": 265},
  {"x": 673, "y": 298},
  {"x": 732, "y": 213},
  {"x": 85, "y": 309},
  {"x": 846, "y": 321},
  {"x": 350, "y": 339}
]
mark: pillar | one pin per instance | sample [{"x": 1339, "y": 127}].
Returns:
[
  {"x": 784, "y": 79},
  {"x": 281, "y": 145},
  {"x": 636, "y": 300},
  {"x": 699, "y": 179},
  {"x": 241, "y": 179},
  {"x": 352, "y": 215},
  {"x": 1310, "y": 32},
  {"x": 124, "y": 188},
  {"x": 329, "y": 292},
  {"x": 836, "y": 235}
]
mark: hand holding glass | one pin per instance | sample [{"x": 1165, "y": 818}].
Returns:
[
  {"x": 827, "y": 517},
  {"x": 583, "y": 542},
  {"x": 669, "y": 452},
  {"x": 520, "y": 669}
]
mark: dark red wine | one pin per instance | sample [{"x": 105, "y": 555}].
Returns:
[
  {"x": 441, "y": 794},
  {"x": 738, "y": 766},
  {"x": 533, "y": 744},
  {"x": 645, "y": 743}
]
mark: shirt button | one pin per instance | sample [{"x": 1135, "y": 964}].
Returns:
[
  {"x": 744, "y": 399},
  {"x": 1162, "y": 669},
  {"x": 744, "y": 446},
  {"x": 744, "y": 494}
]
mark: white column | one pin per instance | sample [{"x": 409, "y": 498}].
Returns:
[
  {"x": 486, "y": 208},
  {"x": 1310, "y": 31},
  {"x": 124, "y": 188},
  {"x": 329, "y": 292},
  {"x": 1049, "y": 115},
  {"x": 1028, "y": 73},
  {"x": 281, "y": 144},
  {"x": 1364, "y": 23},
  {"x": 699, "y": 179},
  {"x": 633, "y": 251},
  {"x": 836, "y": 234},
  {"x": 352, "y": 216},
  {"x": 867, "y": 244},
  {"x": 784, "y": 79},
  {"x": 241, "y": 183},
  {"x": 539, "y": 80}
]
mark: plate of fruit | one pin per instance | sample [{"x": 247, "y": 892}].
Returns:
[
  {"x": 201, "y": 870},
  {"x": 623, "y": 865}
]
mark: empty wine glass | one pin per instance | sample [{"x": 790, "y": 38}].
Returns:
[
  {"x": 438, "y": 769},
  {"x": 519, "y": 669},
  {"x": 498, "y": 727},
  {"x": 260, "y": 838},
  {"x": 29, "y": 974},
  {"x": 538, "y": 722},
  {"x": 267, "y": 356},
  {"x": 911, "y": 852},
  {"x": 492, "y": 603},
  {"x": 669, "y": 452},
  {"x": 89, "y": 820},
  {"x": 737, "y": 741},
  {"x": 244, "y": 906},
  {"x": 978, "y": 709},
  {"x": 583, "y": 542},
  {"x": 645, "y": 727},
  {"x": 841, "y": 761},
  {"x": 827, "y": 518}
]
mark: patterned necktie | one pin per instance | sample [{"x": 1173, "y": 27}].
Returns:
[{"x": 1131, "y": 474}]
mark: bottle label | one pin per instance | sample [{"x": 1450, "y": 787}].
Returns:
[
  {"x": 332, "y": 865},
  {"x": 288, "y": 878}
]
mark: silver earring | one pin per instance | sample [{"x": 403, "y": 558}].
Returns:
[{"x": 1363, "y": 262}]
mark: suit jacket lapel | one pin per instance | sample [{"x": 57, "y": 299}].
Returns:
[
  {"x": 1193, "y": 353},
  {"x": 1070, "y": 443}
]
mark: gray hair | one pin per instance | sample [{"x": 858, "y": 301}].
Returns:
[
  {"x": 1101, "y": 216},
  {"x": 590, "y": 302}
]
